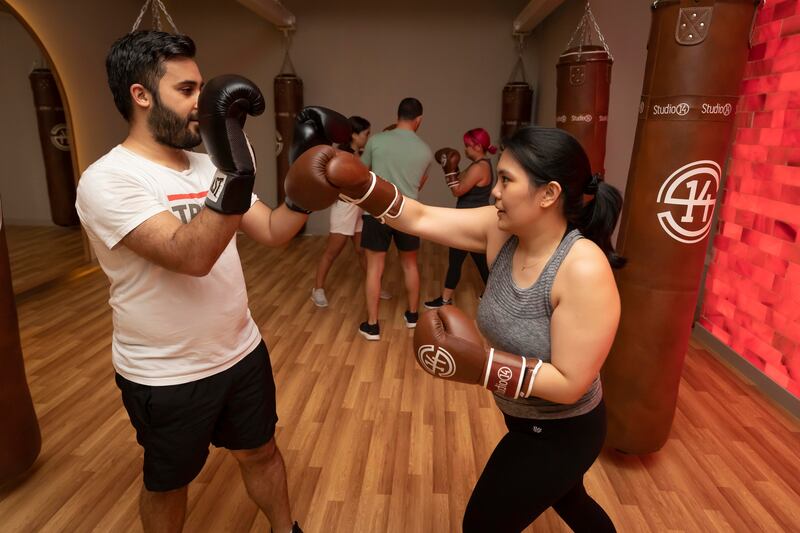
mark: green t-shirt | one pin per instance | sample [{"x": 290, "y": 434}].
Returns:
[{"x": 400, "y": 157}]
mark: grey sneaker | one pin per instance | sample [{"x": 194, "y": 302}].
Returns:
[{"x": 318, "y": 297}]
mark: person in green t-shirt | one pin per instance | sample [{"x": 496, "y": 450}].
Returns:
[{"x": 401, "y": 157}]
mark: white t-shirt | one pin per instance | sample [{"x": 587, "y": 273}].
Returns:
[{"x": 169, "y": 328}]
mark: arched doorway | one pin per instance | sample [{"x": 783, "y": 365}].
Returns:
[{"x": 44, "y": 239}]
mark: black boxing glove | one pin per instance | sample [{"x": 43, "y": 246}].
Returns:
[
  {"x": 223, "y": 106},
  {"x": 318, "y": 125}
]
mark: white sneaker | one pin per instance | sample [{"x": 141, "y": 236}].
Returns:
[
  {"x": 386, "y": 295},
  {"x": 318, "y": 297}
]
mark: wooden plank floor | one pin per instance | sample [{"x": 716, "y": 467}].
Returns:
[
  {"x": 371, "y": 442},
  {"x": 40, "y": 254}
]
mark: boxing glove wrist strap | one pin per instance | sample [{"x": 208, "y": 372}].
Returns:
[
  {"x": 230, "y": 194},
  {"x": 533, "y": 378},
  {"x": 294, "y": 207},
  {"x": 504, "y": 373},
  {"x": 384, "y": 204},
  {"x": 373, "y": 181}
]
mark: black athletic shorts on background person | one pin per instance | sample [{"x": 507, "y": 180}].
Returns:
[
  {"x": 377, "y": 237},
  {"x": 234, "y": 409}
]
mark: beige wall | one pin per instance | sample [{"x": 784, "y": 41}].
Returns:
[
  {"x": 625, "y": 25},
  {"x": 358, "y": 57},
  {"x": 22, "y": 175},
  {"x": 454, "y": 56}
]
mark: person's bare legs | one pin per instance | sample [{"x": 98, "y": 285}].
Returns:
[
  {"x": 408, "y": 262},
  {"x": 162, "y": 512},
  {"x": 362, "y": 258},
  {"x": 333, "y": 248},
  {"x": 264, "y": 476},
  {"x": 375, "y": 263}
]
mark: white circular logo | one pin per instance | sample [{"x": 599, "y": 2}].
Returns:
[
  {"x": 59, "y": 137},
  {"x": 689, "y": 194},
  {"x": 436, "y": 361}
]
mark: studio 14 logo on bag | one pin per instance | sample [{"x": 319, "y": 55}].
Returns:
[{"x": 689, "y": 195}]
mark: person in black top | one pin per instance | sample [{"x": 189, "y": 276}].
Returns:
[{"x": 473, "y": 188}]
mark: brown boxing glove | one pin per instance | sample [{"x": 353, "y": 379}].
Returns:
[
  {"x": 449, "y": 159},
  {"x": 360, "y": 186},
  {"x": 448, "y": 345},
  {"x": 306, "y": 182},
  {"x": 322, "y": 174}
]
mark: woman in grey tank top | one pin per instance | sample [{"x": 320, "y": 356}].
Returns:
[{"x": 549, "y": 315}]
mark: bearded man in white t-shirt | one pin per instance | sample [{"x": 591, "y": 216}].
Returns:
[{"x": 189, "y": 359}]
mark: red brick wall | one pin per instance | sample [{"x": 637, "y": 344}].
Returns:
[{"x": 752, "y": 292}]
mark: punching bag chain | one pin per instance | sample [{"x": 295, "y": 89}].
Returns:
[
  {"x": 584, "y": 30},
  {"x": 287, "y": 67},
  {"x": 156, "y": 7},
  {"x": 519, "y": 66}
]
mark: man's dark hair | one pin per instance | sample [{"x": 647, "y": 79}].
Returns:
[
  {"x": 139, "y": 57},
  {"x": 409, "y": 109}
]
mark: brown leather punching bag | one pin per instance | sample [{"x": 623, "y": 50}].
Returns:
[
  {"x": 583, "y": 80},
  {"x": 54, "y": 138},
  {"x": 517, "y": 107},
  {"x": 20, "y": 440},
  {"x": 288, "y": 102},
  {"x": 696, "y": 56}
]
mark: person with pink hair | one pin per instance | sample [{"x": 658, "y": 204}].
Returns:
[{"x": 472, "y": 187}]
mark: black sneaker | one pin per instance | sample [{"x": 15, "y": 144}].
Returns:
[
  {"x": 411, "y": 319},
  {"x": 295, "y": 529},
  {"x": 371, "y": 332},
  {"x": 437, "y": 303}
]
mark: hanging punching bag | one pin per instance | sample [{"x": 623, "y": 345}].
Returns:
[
  {"x": 696, "y": 56},
  {"x": 517, "y": 107},
  {"x": 20, "y": 440},
  {"x": 288, "y": 102},
  {"x": 54, "y": 138},
  {"x": 517, "y": 97},
  {"x": 583, "y": 80}
]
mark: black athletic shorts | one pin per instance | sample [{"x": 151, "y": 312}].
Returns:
[
  {"x": 377, "y": 237},
  {"x": 234, "y": 409}
]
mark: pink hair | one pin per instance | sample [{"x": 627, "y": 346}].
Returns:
[{"x": 479, "y": 137}]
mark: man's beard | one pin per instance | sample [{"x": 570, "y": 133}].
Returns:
[{"x": 170, "y": 129}]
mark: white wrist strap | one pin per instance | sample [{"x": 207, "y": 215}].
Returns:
[
  {"x": 488, "y": 367},
  {"x": 521, "y": 379},
  {"x": 533, "y": 377},
  {"x": 366, "y": 195},
  {"x": 451, "y": 173},
  {"x": 391, "y": 204}
]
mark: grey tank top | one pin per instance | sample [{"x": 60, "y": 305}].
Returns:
[{"x": 518, "y": 321}]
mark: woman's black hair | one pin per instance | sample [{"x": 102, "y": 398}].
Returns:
[
  {"x": 551, "y": 154},
  {"x": 358, "y": 124}
]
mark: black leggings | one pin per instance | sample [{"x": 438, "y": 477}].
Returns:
[
  {"x": 540, "y": 464},
  {"x": 457, "y": 260}
]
